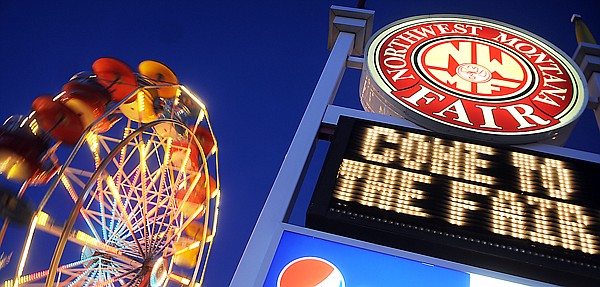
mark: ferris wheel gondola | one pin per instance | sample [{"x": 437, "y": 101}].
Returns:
[{"x": 142, "y": 178}]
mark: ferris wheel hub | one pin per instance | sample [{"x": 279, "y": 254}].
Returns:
[{"x": 159, "y": 273}]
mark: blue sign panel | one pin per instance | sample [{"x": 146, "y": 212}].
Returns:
[{"x": 302, "y": 260}]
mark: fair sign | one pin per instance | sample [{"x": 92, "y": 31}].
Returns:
[{"x": 472, "y": 77}]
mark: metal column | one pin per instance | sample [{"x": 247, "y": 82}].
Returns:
[
  {"x": 587, "y": 56},
  {"x": 348, "y": 32}
]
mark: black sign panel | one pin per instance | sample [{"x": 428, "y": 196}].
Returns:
[{"x": 524, "y": 213}]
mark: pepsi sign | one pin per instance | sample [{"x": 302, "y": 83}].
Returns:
[
  {"x": 310, "y": 271},
  {"x": 309, "y": 261}
]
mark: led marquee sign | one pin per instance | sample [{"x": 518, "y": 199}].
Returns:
[
  {"x": 474, "y": 77},
  {"x": 511, "y": 210}
]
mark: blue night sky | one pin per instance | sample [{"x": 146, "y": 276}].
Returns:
[{"x": 254, "y": 63}]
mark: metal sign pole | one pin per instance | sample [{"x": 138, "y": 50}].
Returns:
[
  {"x": 350, "y": 26},
  {"x": 587, "y": 56}
]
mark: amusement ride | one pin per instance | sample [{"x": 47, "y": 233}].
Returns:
[{"x": 134, "y": 159}]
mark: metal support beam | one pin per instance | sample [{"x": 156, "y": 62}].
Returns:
[
  {"x": 356, "y": 62},
  {"x": 351, "y": 20},
  {"x": 587, "y": 56},
  {"x": 349, "y": 29},
  {"x": 260, "y": 249}
]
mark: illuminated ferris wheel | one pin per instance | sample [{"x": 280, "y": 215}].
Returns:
[{"x": 135, "y": 202}]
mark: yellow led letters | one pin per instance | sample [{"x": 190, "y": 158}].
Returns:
[{"x": 416, "y": 174}]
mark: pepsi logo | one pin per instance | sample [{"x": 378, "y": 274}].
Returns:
[{"x": 310, "y": 272}]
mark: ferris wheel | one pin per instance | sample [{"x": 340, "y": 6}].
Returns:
[{"x": 138, "y": 188}]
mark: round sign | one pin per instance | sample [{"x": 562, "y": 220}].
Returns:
[{"x": 472, "y": 77}]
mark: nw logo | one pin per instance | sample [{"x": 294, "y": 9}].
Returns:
[{"x": 475, "y": 68}]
